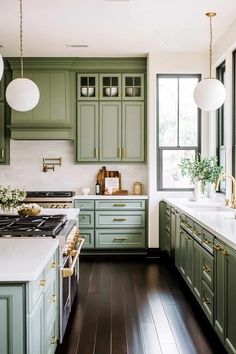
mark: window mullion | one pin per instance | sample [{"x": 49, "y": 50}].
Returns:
[{"x": 177, "y": 113}]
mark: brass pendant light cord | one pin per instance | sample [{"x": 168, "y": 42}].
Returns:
[
  {"x": 21, "y": 40},
  {"x": 210, "y": 47}
]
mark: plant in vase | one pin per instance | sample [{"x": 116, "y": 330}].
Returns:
[
  {"x": 10, "y": 198},
  {"x": 201, "y": 171}
]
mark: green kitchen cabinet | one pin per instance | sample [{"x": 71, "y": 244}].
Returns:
[
  {"x": 87, "y": 87},
  {"x": 2, "y": 88},
  {"x": 133, "y": 87},
  {"x": 110, "y": 86},
  {"x": 133, "y": 131},
  {"x": 36, "y": 328},
  {"x": 225, "y": 295},
  {"x": 4, "y": 117},
  {"x": 13, "y": 326},
  {"x": 51, "y": 118},
  {"x": 110, "y": 131},
  {"x": 87, "y": 131},
  {"x": 197, "y": 256},
  {"x": 3, "y": 137}
]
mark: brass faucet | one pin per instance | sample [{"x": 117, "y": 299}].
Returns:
[{"x": 233, "y": 198}]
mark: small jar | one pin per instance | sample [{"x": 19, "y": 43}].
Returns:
[{"x": 137, "y": 188}]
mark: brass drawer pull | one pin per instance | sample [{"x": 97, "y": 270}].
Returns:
[
  {"x": 53, "y": 265},
  {"x": 119, "y": 219},
  {"x": 119, "y": 238},
  {"x": 119, "y": 205},
  {"x": 53, "y": 298},
  {"x": 206, "y": 269},
  {"x": 217, "y": 247},
  {"x": 206, "y": 300},
  {"x": 53, "y": 340},
  {"x": 225, "y": 253},
  {"x": 206, "y": 241},
  {"x": 82, "y": 217},
  {"x": 2, "y": 153}
]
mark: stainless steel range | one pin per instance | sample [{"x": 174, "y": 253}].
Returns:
[
  {"x": 51, "y": 199},
  {"x": 56, "y": 226}
]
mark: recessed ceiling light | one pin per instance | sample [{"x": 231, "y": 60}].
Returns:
[{"x": 77, "y": 45}]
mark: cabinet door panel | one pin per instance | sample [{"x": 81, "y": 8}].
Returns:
[
  {"x": 197, "y": 255},
  {"x": 87, "y": 131},
  {"x": 133, "y": 131},
  {"x": 36, "y": 328},
  {"x": 110, "y": 238},
  {"x": 219, "y": 322},
  {"x": 110, "y": 131},
  {"x": 12, "y": 328}
]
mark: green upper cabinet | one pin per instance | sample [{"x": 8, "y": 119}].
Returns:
[
  {"x": 133, "y": 87},
  {"x": 87, "y": 131},
  {"x": 50, "y": 119},
  {"x": 4, "y": 117},
  {"x": 2, "y": 88},
  {"x": 87, "y": 87},
  {"x": 110, "y": 131},
  {"x": 2, "y": 133},
  {"x": 132, "y": 131},
  {"x": 110, "y": 87}
]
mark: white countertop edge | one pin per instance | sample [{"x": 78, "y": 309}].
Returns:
[
  {"x": 18, "y": 273},
  {"x": 196, "y": 216},
  {"x": 91, "y": 196}
]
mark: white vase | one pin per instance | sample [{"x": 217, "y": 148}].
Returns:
[
  {"x": 197, "y": 190},
  {"x": 210, "y": 190}
]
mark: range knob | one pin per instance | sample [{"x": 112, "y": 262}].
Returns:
[
  {"x": 53, "y": 206},
  {"x": 65, "y": 206},
  {"x": 58, "y": 206}
]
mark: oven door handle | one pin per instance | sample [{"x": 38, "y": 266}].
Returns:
[{"x": 68, "y": 272}]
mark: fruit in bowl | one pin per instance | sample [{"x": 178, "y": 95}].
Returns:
[{"x": 29, "y": 209}]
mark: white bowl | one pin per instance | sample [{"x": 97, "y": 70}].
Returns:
[
  {"x": 87, "y": 91},
  {"x": 111, "y": 91},
  {"x": 85, "y": 191}
]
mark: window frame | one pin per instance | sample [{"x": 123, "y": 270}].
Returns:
[{"x": 160, "y": 150}]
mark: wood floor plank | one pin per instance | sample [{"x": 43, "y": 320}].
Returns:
[
  {"x": 150, "y": 339},
  {"x": 95, "y": 279}
]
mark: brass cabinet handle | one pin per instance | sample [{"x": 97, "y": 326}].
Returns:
[
  {"x": 189, "y": 238},
  {"x": 206, "y": 300},
  {"x": 206, "y": 269},
  {"x": 217, "y": 247},
  {"x": 119, "y": 219},
  {"x": 53, "y": 265},
  {"x": 206, "y": 241},
  {"x": 123, "y": 152},
  {"x": 42, "y": 283},
  {"x": 119, "y": 152},
  {"x": 119, "y": 205},
  {"x": 68, "y": 272},
  {"x": 225, "y": 253},
  {"x": 2, "y": 153},
  {"x": 119, "y": 238},
  {"x": 53, "y": 340},
  {"x": 53, "y": 298}
]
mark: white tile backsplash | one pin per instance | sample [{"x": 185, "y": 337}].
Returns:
[{"x": 25, "y": 169}]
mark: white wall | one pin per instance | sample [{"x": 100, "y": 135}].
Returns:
[{"x": 25, "y": 169}]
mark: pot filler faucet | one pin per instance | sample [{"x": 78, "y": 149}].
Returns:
[{"x": 233, "y": 197}]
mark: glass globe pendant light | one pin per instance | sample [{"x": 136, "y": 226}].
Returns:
[
  {"x": 209, "y": 94},
  {"x": 22, "y": 94},
  {"x": 1, "y": 66}
]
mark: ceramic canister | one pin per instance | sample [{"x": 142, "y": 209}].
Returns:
[{"x": 137, "y": 188}]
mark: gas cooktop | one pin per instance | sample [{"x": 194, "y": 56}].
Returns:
[
  {"x": 40, "y": 225},
  {"x": 49, "y": 194}
]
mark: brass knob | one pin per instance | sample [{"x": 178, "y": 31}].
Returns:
[
  {"x": 53, "y": 340},
  {"x": 225, "y": 253},
  {"x": 217, "y": 247},
  {"x": 206, "y": 300},
  {"x": 53, "y": 298},
  {"x": 206, "y": 269},
  {"x": 53, "y": 265},
  {"x": 42, "y": 282}
]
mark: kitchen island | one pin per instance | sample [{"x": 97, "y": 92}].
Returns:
[
  {"x": 30, "y": 289},
  {"x": 200, "y": 237}
]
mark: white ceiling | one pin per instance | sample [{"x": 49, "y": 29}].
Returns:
[{"x": 112, "y": 28}]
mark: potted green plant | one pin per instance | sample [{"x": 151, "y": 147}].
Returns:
[{"x": 201, "y": 169}]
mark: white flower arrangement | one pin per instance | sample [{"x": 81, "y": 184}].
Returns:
[{"x": 10, "y": 198}]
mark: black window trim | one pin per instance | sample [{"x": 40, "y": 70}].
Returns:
[{"x": 160, "y": 149}]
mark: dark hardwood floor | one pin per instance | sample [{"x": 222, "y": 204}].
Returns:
[{"x": 135, "y": 307}]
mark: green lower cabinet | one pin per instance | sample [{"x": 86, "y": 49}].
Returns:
[
  {"x": 189, "y": 261},
  {"x": 183, "y": 255},
  {"x": 162, "y": 225},
  {"x": 120, "y": 219},
  {"x": 36, "y": 328},
  {"x": 119, "y": 238},
  {"x": 225, "y": 294},
  {"x": 197, "y": 256},
  {"x": 207, "y": 301},
  {"x": 12, "y": 327}
]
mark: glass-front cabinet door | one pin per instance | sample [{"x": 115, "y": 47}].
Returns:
[
  {"x": 87, "y": 86},
  {"x": 110, "y": 87},
  {"x": 133, "y": 87}
]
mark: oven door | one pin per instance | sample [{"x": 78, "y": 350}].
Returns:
[{"x": 68, "y": 285}]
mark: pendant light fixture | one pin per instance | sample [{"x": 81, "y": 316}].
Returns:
[
  {"x": 1, "y": 66},
  {"x": 22, "y": 94},
  {"x": 209, "y": 94}
]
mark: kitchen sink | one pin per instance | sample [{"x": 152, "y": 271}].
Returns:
[{"x": 209, "y": 208}]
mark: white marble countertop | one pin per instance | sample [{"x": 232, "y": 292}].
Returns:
[
  {"x": 212, "y": 215},
  {"x": 91, "y": 196},
  {"x": 23, "y": 259}
]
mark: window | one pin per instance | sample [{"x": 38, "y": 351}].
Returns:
[
  {"x": 178, "y": 124},
  {"x": 220, "y": 145}
]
